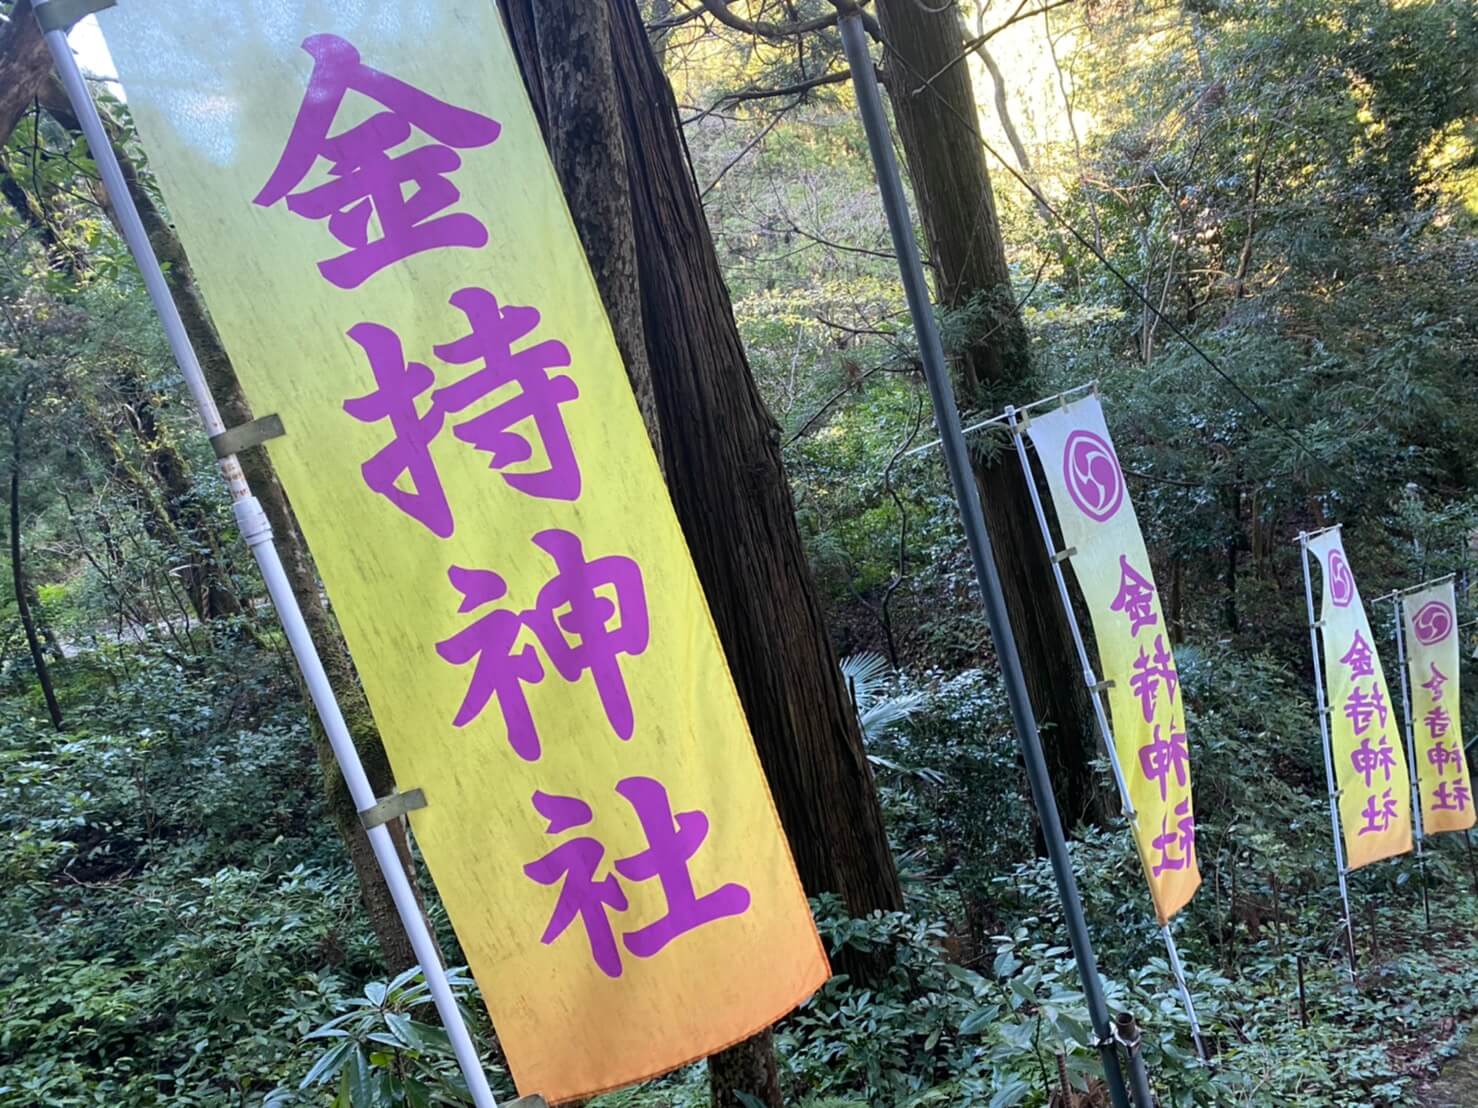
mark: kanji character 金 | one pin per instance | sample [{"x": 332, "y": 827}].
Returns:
[
  {"x": 364, "y": 178},
  {"x": 1360, "y": 658},
  {"x": 1135, "y": 597}
]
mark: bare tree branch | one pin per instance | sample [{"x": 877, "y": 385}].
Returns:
[
  {"x": 719, "y": 9},
  {"x": 756, "y": 93},
  {"x": 980, "y": 40}
]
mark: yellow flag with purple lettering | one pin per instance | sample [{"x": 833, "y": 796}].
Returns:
[
  {"x": 1369, "y": 768},
  {"x": 1429, "y": 619},
  {"x": 1108, "y": 556},
  {"x": 375, "y": 224}
]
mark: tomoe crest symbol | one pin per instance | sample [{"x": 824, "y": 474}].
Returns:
[
  {"x": 1341, "y": 583},
  {"x": 1094, "y": 479},
  {"x": 1432, "y": 622}
]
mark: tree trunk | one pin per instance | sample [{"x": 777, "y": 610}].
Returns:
[
  {"x": 604, "y": 104},
  {"x": 748, "y": 1067},
  {"x": 297, "y": 563},
  {"x": 179, "y": 513},
  {"x": 24, "y": 64},
  {"x": 17, "y": 572},
  {"x": 721, "y": 452},
  {"x": 941, "y": 145}
]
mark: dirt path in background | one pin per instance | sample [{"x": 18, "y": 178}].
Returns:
[{"x": 1457, "y": 1085}]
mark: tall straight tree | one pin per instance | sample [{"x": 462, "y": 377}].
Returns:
[
  {"x": 721, "y": 456},
  {"x": 928, "y": 81},
  {"x": 611, "y": 125}
]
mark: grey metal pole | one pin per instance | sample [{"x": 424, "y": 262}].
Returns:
[
  {"x": 257, "y": 532},
  {"x": 947, "y": 419}
]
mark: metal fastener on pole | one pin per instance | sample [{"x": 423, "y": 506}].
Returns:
[
  {"x": 258, "y": 534},
  {"x": 947, "y": 419},
  {"x": 1339, "y": 848}
]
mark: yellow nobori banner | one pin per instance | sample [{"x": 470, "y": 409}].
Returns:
[
  {"x": 1099, "y": 526},
  {"x": 375, "y": 224},
  {"x": 1429, "y": 623},
  {"x": 1369, "y": 768}
]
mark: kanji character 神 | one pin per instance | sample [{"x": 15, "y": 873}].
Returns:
[
  {"x": 1184, "y": 837},
  {"x": 568, "y": 606},
  {"x": 1135, "y": 597},
  {"x": 672, "y": 841},
  {"x": 1369, "y": 760},
  {"x": 1161, "y": 757},
  {"x": 1362, "y": 707},
  {"x": 1454, "y": 800},
  {"x": 1437, "y": 722},
  {"x": 1434, "y": 683},
  {"x": 538, "y": 400},
  {"x": 1149, "y": 672},
  {"x": 364, "y": 178},
  {"x": 1442, "y": 756},
  {"x": 1360, "y": 658},
  {"x": 1377, "y": 819},
  {"x": 498, "y": 669}
]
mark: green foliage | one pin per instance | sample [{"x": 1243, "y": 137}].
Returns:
[
  {"x": 380, "y": 1054},
  {"x": 1294, "y": 184}
]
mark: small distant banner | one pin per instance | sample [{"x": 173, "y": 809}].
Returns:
[
  {"x": 1370, "y": 773},
  {"x": 1108, "y": 557},
  {"x": 375, "y": 224},
  {"x": 1429, "y": 620}
]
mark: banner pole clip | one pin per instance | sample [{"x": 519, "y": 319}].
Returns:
[
  {"x": 233, "y": 440},
  {"x": 59, "y": 15},
  {"x": 392, "y": 807},
  {"x": 1100, "y": 686},
  {"x": 1063, "y": 555}
]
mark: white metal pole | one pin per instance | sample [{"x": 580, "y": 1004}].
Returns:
[
  {"x": 1398, "y": 632},
  {"x": 258, "y": 534},
  {"x": 1090, "y": 679},
  {"x": 1339, "y": 849}
]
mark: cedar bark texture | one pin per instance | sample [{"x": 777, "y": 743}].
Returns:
[
  {"x": 24, "y": 64},
  {"x": 721, "y": 455},
  {"x": 938, "y": 126}
]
